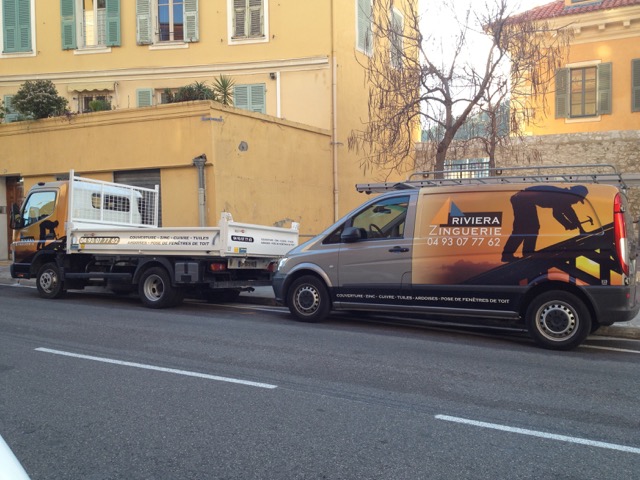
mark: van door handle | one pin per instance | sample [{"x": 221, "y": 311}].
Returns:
[{"x": 398, "y": 250}]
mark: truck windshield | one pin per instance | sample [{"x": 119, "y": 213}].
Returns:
[{"x": 38, "y": 206}]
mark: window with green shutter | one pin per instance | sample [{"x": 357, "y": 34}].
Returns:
[
  {"x": 166, "y": 21},
  {"x": 250, "y": 97},
  {"x": 144, "y": 97},
  {"x": 396, "y": 38},
  {"x": 10, "y": 115},
  {"x": 635, "y": 85},
  {"x": 16, "y": 26},
  {"x": 584, "y": 91},
  {"x": 364, "y": 35},
  {"x": 90, "y": 23},
  {"x": 248, "y": 19}
]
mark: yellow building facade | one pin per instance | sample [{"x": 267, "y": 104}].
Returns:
[
  {"x": 299, "y": 91},
  {"x": 597, "y": 88}
]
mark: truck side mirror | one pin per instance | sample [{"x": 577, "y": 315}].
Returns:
[
  {"x": 16, "y": 218},
  {"x": 351, "y": 234}
]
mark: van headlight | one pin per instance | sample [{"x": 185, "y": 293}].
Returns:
[{"x": 282, "y": 263}]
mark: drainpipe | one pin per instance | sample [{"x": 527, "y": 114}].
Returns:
[
  {"x": 334, "y": 114},
  {"x": 199, "y": 162}
]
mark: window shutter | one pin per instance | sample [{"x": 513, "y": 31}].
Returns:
[
  {"x": 144, "y": 97},
  {"x": 24, "y": 25},
  {"x": 10, "y": 114},
  {"x": 256, "y": 18},
  {"x": 250, "y": 97},
  {"x": 16, "y": 25},
  {"x": 364, "y": 26},
  {"x": 635, "y": 83},
  {"x": 397, "y": 28},
  {"x": 113, "y": 23},
  {"x": 604, "y": 88},
  {"x": 240, "y": 17},
  {"x": 241, "y": 97},
  {"x": 143, "y": 22},
  {"x": 68, "y": 18},
  {"x": 257, "y": 98},
  {"x": 191, "y": 20},
  {"x": 562, "y": 93},
  {"x": 9, "y": 25}
]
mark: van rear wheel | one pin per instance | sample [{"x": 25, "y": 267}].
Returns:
[
  {"x": 308, "y": 299},
  {"x": 558, "y": 320}
]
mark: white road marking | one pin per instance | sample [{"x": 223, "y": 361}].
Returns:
[
  {"x": 158, "y": 369},
  {"x": 534, "y": 433},
  {"x": 613, "y": 349}
]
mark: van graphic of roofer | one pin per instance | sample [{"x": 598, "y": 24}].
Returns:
[{"x": 526, "y": 224}]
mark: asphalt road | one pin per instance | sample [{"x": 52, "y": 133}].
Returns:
[{"x": 97, "y": 387}]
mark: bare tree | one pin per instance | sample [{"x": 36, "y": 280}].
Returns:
[{"x": 439, "y": 84}]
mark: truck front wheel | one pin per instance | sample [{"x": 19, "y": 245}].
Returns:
[
  {"x": 308, "y": 299},
  {"x": 156, "y": 291},
  {"x": 49, "y": 282}
]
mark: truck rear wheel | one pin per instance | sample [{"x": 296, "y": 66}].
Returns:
[
  {"x": 156, "y": 291},
  {"x": 308, "y": 299},
  {"x": 558, "y": 320},
  {"x": 49, "y": 282}
]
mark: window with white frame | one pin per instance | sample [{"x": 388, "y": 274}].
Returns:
[
  {"x": 583, "y": 90},
  {"x": 166, "y": 21},
  {"x": 17, "y": 20},
  {"x": 364, "y": 26},
  {"x": 250, "y": 97},
  {"x": 396, "y": 39},
  {"x": 90, "y": 23},
  {"x": 248, "y": 20}
]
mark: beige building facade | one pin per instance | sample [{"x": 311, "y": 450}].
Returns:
[{"x": 279, "y": 154}]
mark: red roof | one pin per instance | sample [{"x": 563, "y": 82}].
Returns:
[{"x": 558, "y": 8}]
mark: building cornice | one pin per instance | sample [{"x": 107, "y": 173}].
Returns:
[
  {"x": 187, "y": 71},
  {"x": 601, "y": 25}
]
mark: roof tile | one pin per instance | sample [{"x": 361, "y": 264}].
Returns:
[{"x": 558, "y": 8}]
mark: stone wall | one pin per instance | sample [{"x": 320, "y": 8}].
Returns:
[{"x": 618, "y": 148}]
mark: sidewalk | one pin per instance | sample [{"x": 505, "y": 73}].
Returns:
[{"x": 264, "y": 296}]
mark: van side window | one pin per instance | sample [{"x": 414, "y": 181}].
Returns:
[
  {"x": 38, "y": 206},
  {"x": 384, "y": 219}
]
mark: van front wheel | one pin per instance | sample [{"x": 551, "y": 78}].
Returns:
[
  {"x": 558, "y": 320},
  {"x": 308, "y": 299}
]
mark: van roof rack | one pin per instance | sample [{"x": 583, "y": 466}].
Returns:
[{"x": 585, "y": 173}]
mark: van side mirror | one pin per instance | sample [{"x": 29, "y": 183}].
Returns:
[
  {"x": 352, "y": 234},
  {"x": 16, "y": 219}
]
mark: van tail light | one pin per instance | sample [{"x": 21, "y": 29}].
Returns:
[{"x": 620, "y": 230}]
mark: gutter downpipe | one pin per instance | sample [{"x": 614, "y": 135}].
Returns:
[
  {"x": 334, "y": 114},
  {"x": 199, "y": 162}
]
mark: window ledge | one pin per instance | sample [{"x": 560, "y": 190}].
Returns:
[
  {"x": 168, "y": 45},
  {"x": 91, "y": 50},
  {"x": 583, "y": 119},
  {"x": 17, "y": 54},
  {"x": 247, "y": 40}
]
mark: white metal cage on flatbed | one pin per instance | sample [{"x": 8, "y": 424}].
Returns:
[{"x": 584, "y": 173}]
